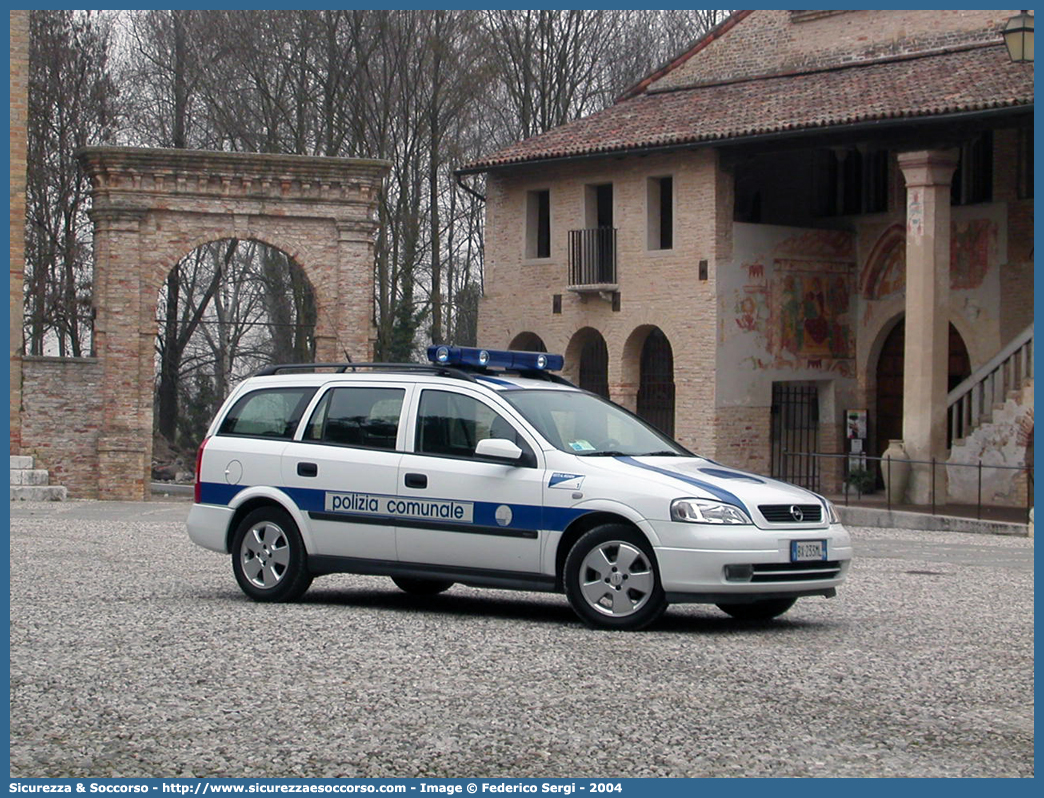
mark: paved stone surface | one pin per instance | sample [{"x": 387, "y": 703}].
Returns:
[{"x": 133, "y": 653}]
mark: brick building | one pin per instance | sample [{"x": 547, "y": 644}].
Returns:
[{"x": 807, "y": 213}]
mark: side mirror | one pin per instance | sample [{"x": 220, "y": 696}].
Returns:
[{"x": 498, "y": 449}]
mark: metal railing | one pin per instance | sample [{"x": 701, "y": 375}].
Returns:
[
  {"x": 973, "y": 400},
  {"x": 592, "y": 257},
  {"x": 886, "y": 464}
]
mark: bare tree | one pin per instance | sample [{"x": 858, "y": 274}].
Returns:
[
  {"x": 165, "y": 70},
  {"x": 229, "y": 325},
  {"x": 167, "y": 57},
  {"x": 72, "y": 103},
  {"x": 457, "y": 73},
  {"x": 289, "y": 306},
  {"x": 551, "y": 64},
  {"x": 390, "y": 107},
  {"x": 646, "y": 40},
  {"x": 179, "y": 317}
]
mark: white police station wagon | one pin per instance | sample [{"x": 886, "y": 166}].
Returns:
[{"x": 486, "y": 468}]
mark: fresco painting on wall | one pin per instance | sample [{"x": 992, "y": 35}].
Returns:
[
  {"x": 885, "y": 271},
  {"x": 794, "y": 302},
  {"x": 971, "y": 246},
  {"x": 752, "y": 301},
  {"x": 811, "y": 300},
  {"x": 752, "y": 309}
]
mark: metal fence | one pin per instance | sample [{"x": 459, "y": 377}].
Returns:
[
  {"x": 795, "y": 426},
  {"x": 886, "y": 465}
]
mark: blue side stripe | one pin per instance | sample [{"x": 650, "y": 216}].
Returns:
[
  {"x": 218, "y": 493},
  {"x": 556, "y": 519},
  {"x": 714, "y": 490},
  {"x": 524, "y": 516}
]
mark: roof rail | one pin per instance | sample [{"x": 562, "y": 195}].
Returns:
[
  {"x": 342, "y": 368},
  {"x": 468, "y": 374}
]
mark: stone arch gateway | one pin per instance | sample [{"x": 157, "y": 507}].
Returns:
[{"x": 151, "y": 207}]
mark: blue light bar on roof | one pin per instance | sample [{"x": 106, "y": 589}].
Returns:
[{"x": 469, "y": 356}]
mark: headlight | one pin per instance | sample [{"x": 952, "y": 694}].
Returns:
[
  {"x": 832, "y": 512},
  {"x": 704, "y": 511}
]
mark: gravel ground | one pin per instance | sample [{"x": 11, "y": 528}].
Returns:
[{"x": 133, "y": 653}]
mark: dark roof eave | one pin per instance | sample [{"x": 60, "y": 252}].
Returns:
[{"x": 754, "y": 138}]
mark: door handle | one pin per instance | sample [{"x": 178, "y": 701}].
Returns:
[
  {"x": 307, "y": 470},
  {"x": 416, "y": 480}
]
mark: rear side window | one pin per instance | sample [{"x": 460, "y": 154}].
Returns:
[
  {"x": 366, "y": 417},
  {"x": 268, "y": 413}
]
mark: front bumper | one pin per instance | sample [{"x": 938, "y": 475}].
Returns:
[{"x": 693, "y": 564}]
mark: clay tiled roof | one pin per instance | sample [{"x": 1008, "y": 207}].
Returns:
[{"x": 971, "y": 79}]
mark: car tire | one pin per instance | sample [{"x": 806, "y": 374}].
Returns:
[
  {"x": 268, "y": 556},
  {"x": 612, "y": 580},
  {"x": 763, "y": 610},
  {"x": 421, "y": 587}
]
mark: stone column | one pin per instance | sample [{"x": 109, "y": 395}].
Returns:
[
  {"x": 928, "y": 174},
  {"x": 124, "y": 442}
]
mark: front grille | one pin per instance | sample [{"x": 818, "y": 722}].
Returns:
[
  {"x": 795, "y": 571},
  {"x": 783, "y": 513}
]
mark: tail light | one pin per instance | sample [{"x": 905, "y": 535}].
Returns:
[{"x": 197, "y": 497}]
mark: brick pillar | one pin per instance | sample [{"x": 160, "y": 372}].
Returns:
[
  {"x": 696, "y": 371},
  {"x": 928, "y": 174},
  {"x": 355, "y": 329},
  {"x": 19, "y": 142},
  {"x": 124, "y": 442},
  {"x": 831, "y": 441}
]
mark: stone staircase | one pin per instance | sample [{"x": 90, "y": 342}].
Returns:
[
  {"x": 1000, "y": 438},
  {"x": 990, "y": 424},
  {"x": 974, "y": 401},
  {"x": 31, "y": 484}
]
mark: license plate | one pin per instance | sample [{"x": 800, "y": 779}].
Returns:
[{"x": 806, "y": 550}]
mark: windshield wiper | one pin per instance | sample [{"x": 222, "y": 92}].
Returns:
[{"x": 610, "y": 453}]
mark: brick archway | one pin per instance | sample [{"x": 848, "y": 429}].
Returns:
[
  {"x": 528, "y": 342},
  {"x": 587, "y": 361},
  {"x": 152, "y": 207}
]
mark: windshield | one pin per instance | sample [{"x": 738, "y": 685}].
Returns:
[{"x": 587, "y": 425}]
